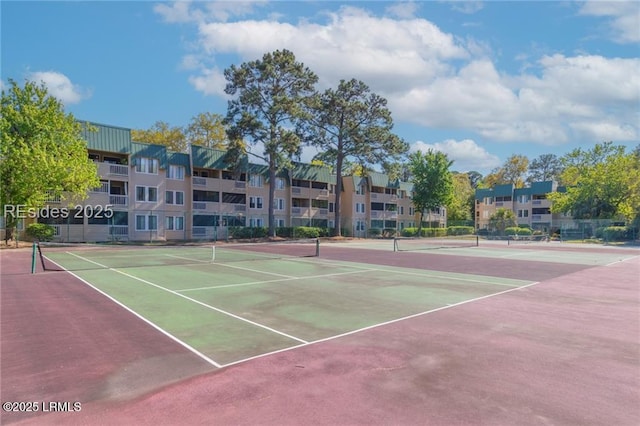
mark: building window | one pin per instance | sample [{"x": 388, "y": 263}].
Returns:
[
  {"x": 411, "y": 211},
  {"x": 174, "y": 223},
  {"x": 255, "y": 181},
  {"x": 175, "y": 172},
  {"x": 174, "y": 197},
  {"x": 401, "y": 209},
  {"x": 256, "y": 222},
  {"x": 280, "y": 183},
  {"x": 255, "y": 202},
  {"x": 146, "y": 223},
  {"x": 280, "y": 223},
  {"x": 148, "y": 194},
  {"x": 360, "y": 208},
  {"x": 147, "y": 165},
  {"x": 279, "y": 204},
  {"x": 523, "y": 213},
  {"x": 360, "y": 189},
  {"x": 360, "y": 225}
]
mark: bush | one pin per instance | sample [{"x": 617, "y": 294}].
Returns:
[
  {"x": 40, "y": 231},
  {"x": 243, "y": 233},
  {"x": 409, "y": 232},
  {"x": 434, "y": 232},
  {"x": 514, "y": 230},
  {"x": 460, "y": 230},
  {"x": 306, "y": 232},
  {"x": 614, "y": 233},
  {"x": 374, "y": 232}
]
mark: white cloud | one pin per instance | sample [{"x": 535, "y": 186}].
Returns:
[
  {"x": 60, "y": 87},
  {"x": 438, "y": 80},
  {"x": 466, "y": 154},
  {"x": 187, "y": 11},
  {"x": 467, "y": 6},
  {"x": 624, "y": 22},
  {"x": 403, "y": 9}
]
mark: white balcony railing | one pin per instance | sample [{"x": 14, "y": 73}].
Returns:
[
  {"x": 119, "y": 169},
  {"x": 119, "y": 230},
  {"x": 104, "y": 187},
  {"x": 119, "y": 200},
  {"x": 199, "y": 181},
  {"x": 199, "y": 205}
]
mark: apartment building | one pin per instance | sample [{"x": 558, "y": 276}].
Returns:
[
  {"x": 148, "y": 192},
  {"x": 377, "y": 202},
  {"x": 529, "y": 205}
]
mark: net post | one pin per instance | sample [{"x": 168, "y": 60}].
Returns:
[
  {"x": 395, "y": 244},
  {"x": 317, "y": 247},
  {"x": 477, "y": 241},
  {"x": 33, "y": 258},
  {"x": 213, "y": 253}
]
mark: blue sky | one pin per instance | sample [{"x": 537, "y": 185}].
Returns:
[{"x": 478, "y": 80}]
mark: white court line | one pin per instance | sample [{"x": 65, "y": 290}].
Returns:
[
  {"x": 273, "y": 281},
  {"x": 149, "y": 322},
  {"x": 326, "y": 339},
  {"x": 420, "y": 274},
  {"x": 194, "y": 300},
  {"x": 232, "y": 266}
]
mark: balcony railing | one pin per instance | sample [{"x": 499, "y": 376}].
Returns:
[
  {"x": 199, "y": 205},
  {"x": 118, "y": 169},
  {"x": 199, "y": 181},
  {"x": 104, "y": 187},
  {"x": 119, "y": 230},
  {"x": 119, "y": 200}
]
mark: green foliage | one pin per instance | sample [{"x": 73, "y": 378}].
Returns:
[
  {"x": 544, "y": 168},
  {"x": 42, "y": 150},
  {"x": 603, "y": 183},
  {"x": 460, "y": 205},
  {"x": 515, "y": 230},
  {"x": 207, "y": 129},
  {"x": 40, "y": 231},
  {"x": 353, "y": 127},
  {"x": 246, "y": 232},
  {"x": 460, "y": 230},
  {"x": 161, "y": 133},
  {"x": 616, "y": 233},
  {"x": 432, "y": 180},
  {"x": 266, "y": 108},
  {"x": 501, "y": 220},
  {"x": 512, "y": 172}
]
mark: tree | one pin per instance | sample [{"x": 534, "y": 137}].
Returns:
[
  {"x": 474, "y": 178},
  {"x": 432, "y": 181},
  {"x": 161, "y": 133},
  {"x": 42, "y": 153},
  {"x": 502, "y": 219},
  {"x": 462, "y": 200},
  {"x": 207, "y": 129},
  {"x": 352, "y": 124},
  {"x": 512, "y": 172},
  {"x": 602, "y": 183},
  {"x": 269, "y": 94},
  {"x": 544, "y": 168}
]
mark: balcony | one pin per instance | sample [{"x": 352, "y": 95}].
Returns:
[
  {"x": 119, "y": 200},
  {"x": 199, "y": 181},
  {"x": 110, "y": 169}
]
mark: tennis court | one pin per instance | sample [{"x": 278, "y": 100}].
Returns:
[{"x": 233, "y": 309}]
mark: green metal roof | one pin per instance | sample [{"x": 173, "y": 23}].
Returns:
[
  {"x": 406, "y": 186},
  {"x": 139, "y": 150},
  {"x": 179, "y": 159},
  {"x": 483, "y": 193},
  {"x": 312, "y": 173},
  {"x": 106, "y": 138},
  {"x": 521, "y": 191},
  {"x": 209, "y": 158},
  {"x": 542, "y": 187},
  {"x": 503, "y": 190},
  {"x": 381, "y": 179}
]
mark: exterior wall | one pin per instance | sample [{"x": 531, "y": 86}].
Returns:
[{"x": 304, "y": 197}]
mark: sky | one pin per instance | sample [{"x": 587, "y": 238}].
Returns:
[{"x": 478, "y": 80}]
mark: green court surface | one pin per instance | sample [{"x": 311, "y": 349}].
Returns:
[
  {"x": 538, "y": 251},
  {"x": 231, "y": 312}
]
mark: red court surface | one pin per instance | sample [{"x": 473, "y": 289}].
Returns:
[{"x": 563, "y": 351}]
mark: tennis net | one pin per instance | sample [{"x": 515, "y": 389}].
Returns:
[
  {"x": 431, "y": 243},
  {"x": 70, "y": 257}
]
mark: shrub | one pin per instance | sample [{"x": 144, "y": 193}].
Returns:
[
  {"x": 409, "y": 232},
  {"x": 514, "y": 230},
  {"x": 241, "y": 232},
  {"x": 40, "y": 231},
  {"x": 434, "y": 232},
  {"x": 615, "y": 233},
  {"x": 306, "y": 232},
  {"x": 460, "y": 230}
]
